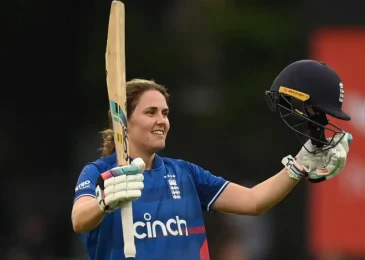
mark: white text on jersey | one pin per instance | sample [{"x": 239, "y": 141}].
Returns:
[
  {"x": 151, "y": 229},
  {"x": 83, "y": 185}
]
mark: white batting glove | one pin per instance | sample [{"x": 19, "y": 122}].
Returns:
[
  {"x": 120, "y": 184},
  {"x": 327, "y": 164},
  {"x": 319, "y": 167}
]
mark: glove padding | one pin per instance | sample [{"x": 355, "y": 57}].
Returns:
[
  {"x": 120, "y": 184},
  {"x": 327, "y": 164}
]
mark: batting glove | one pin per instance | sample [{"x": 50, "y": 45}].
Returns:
[
  {"x": 322, "y": 166},
  {"x": 120, "y": 184}
]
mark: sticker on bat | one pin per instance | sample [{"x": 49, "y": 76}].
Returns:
[
  {"x": 118, "y": 114},
  {"x": 120, "y": 118}
]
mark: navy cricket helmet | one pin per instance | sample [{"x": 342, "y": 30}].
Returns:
[{"x": 304, "y": 93}]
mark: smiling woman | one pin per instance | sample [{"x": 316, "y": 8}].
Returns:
[
  {"x": 147, "y": 101},
  {"x": 168, "y": 195}
]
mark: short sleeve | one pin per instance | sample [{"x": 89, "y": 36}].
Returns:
[
  {"x": 208, "y": 186},
  {"x": 85, "y": 185}
]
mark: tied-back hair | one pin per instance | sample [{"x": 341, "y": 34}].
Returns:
[{"x": 135, "y": 88}]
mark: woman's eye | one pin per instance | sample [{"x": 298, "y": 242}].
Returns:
[{"x": 150, "y": 112}]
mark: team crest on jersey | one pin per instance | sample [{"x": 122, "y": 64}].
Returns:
[{"x": 174, "y": 188}]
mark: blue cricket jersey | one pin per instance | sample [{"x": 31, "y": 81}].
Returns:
[{"x": 168, "y": 217}]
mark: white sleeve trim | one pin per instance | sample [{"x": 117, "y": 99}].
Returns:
[
  {"x": 83, "y": 195},
  {"x": 217, "y": 195}
]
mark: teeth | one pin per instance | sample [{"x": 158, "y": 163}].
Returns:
[{"x": 157, "y": 132}]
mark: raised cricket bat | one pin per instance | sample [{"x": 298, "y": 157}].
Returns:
[{"x": 116, "y": 81}]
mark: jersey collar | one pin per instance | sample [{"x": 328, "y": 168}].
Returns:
[{"x": 157, "y": 162}]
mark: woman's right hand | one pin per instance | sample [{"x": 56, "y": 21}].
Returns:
[{"x": 120, "y": 184}]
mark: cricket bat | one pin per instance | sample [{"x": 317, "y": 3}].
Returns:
[{"x": 116, "y": 82}]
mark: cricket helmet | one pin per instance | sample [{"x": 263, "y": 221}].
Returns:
[{"x": 304, "y": 93}]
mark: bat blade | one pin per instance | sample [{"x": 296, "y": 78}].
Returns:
[{"x": 116, "y": 82}]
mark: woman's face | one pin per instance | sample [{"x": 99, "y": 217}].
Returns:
[{"x": 148, "y": 125}]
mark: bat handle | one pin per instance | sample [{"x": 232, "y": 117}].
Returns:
[{"x": 128, "y": 229}]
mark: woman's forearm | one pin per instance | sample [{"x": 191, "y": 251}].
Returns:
[
  {"x": 86, "y": 215},
  {"x": 270, "y": 192}
]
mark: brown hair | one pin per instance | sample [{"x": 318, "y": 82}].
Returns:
[{"x": 135, "y": 88}]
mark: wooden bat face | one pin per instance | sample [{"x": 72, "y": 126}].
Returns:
[{"x": 116, "y": 79}]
